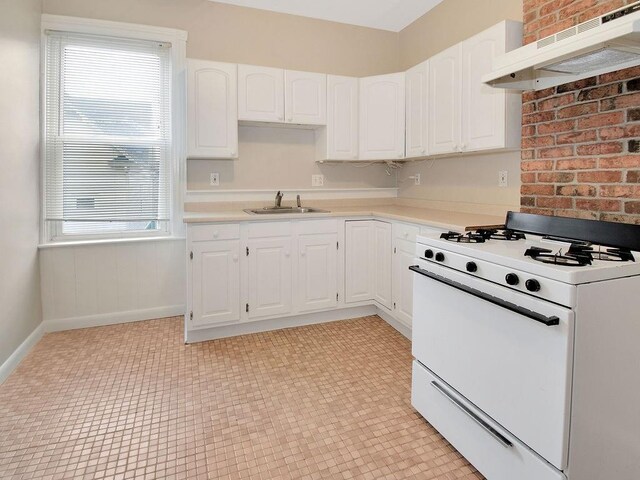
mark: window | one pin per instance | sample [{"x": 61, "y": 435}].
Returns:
[{"x": 108, "y": 135}]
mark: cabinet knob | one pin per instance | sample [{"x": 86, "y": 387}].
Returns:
[
  {"x": 235, "y": 258},
  {"x": 424, "y": 150},
  {"x": 290, "y": 119},
  {"x": 463, "y": 147},
  {"x": 303, "y": 253},
  {"x": 406, "y": 234},
  {"x": 286, "y": 254},
  {"x": 216, "y": 234},
  {"x": 233, "y": 153}
]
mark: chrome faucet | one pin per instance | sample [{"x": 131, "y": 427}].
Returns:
[
  {"x": 279, "y": 196},
  {"x": 298, "y": 201}
]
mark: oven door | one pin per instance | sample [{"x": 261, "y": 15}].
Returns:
[{"x": 508, "y": 353}]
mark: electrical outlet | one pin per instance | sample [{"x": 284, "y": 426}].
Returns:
[
  {"x": 503, "y": 180},
  {"x": 317, "y": 180},
  {"x": 214, "y": 180},
  {"x": 416, "y": 179}
]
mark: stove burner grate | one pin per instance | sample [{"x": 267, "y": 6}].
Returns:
[
  {"x": 470, "y": 237},
  {"x": 575, "y": 259},
  {"x": 602, "y": 253},
  {"x": 506, "y": 234}
]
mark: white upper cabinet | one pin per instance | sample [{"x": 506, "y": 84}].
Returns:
[
  {"x": 382, "y": 117},
  {"x": 486, "y": 110},
  {"x": 212, "y": 110},
  {"x": 339, "y": 141},
  {"x": 417, "y": 82},
  {"x": 305, "y": 97},
  {"x": 445, "y": 91},
  {"x": 465, "y": 115},
  {"x": 260, "y": 94}
]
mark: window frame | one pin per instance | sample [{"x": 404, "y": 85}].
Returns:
[{"x": 51, "y": 232}]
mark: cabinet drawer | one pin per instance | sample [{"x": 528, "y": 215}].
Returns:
[
  {"x": 310, "y": 227},
  {"x": 269, "y": 229},
  {"x": 204, "y": 233},
  {"x": 405, "y": 232},
  {"x": 497, "y": 455}
]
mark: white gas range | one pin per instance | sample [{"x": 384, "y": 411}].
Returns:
[{"x": 527, "y": 349}]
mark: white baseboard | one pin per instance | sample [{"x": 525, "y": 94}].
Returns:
[
  {"x": 258, "y": 326},
  {"x": 58, "y": 324},
  {"x": 398, "y": 325},
  {"x": 16, "y": 357}
]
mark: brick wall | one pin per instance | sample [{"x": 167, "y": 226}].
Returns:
[{"x": 580, "y": 141}]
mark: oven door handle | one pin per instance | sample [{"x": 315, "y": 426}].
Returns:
[{"x": 548, "y": 321}]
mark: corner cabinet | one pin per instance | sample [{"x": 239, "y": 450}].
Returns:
[
  {"x": 465, "y": 115},
  {"x": 212, "y": 111},
  {"x": 382, "y": 117}
]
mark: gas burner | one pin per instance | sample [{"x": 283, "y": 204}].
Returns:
[
  {"x": 495, "y": 234},
  {"x": 570, "y": 259},
  {"x": 602, "y": 253},
  {"x": 470, "y": 237}
]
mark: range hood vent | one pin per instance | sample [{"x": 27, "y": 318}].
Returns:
[{"x": 604, "y": 44}]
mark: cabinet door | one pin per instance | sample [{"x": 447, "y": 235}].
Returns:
[
  {"x": 382, "y": 117},
  {"x": 359, "y": 261},
  {"x": 212, "y": 110},
  {"x": 483, "y": 107},
  {"x": 317, "y": 284},
  {"x": 403, "y": 258},
  {"x": 215, "y": 282},
  {"x": 382, "y": 272},
  {"x": 417, "y": 81},
  {"x": 260, "y": 94},
  {"x": 269, "y": 269},
  {"x": 305, "y": 97},
  {"x": 342, "y": 118},
  {"x": 445, "y": 90}
]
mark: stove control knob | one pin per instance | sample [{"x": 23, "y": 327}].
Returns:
[
  {"x": 512, "y": 279},
  {"x": 428, "y": 254},
  {"x": 472, "y": 267},
  {"x": 439, "y": 257},
  {"x": 532, "y": 285}
]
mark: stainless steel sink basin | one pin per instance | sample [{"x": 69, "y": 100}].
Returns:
[{"x": 268, "y": 210}]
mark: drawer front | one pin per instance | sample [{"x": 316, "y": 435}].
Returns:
[
  {"x": 269, "y": 229},
  {"x": 486, "y": 445},
  {"x": 403, "y": 231},
  {"x": 309, "y": 227},
  {"x": 206, "y": 233}
]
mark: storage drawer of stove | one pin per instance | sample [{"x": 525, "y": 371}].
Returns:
[{"x": 484, "y": 443}]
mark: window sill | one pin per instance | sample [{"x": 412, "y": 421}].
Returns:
[{"x": 108, "y": 241}]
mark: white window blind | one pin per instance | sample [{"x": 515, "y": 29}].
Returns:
[{"x": 108, "y": 135}]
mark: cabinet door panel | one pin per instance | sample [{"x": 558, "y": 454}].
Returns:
[
  {"x": 382, "y": 117},
  {"x": 317, "y": 272},
  {"x": 215, "y": 282},
  {"x": 483, "y": 114},
  {"x": 403, "y": 258},
  {"x": 260, "y": 94},
  {"x": 445, "y": 90},
  {"x": 269, "y": 276},
  {"x": 417, "y": 81},
  {"x": 359, "y": 267},
  {"x": 382, "y": 252},
  {"x": 212, "y": 104},
  {"x": 305, "y": 97},
  {"x": 342, "y": 118}
]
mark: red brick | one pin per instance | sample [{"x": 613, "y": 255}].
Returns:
[
  {"x": 528, "y": 201},
  {"x": 576, "y": 137},
  {"x": 536, "y": 189},
  {"x": 555, "y": 152},
  {"x": 620, "y": 75},
  {"x": 577, "y": 214},
  {"x": 537, "y": 211},
  {"x": 554, "y": 202},
  {"x": 530, "y": 16},
  {"x": 602, "y": 176},
  {"x": 527, "y": 39},
  {"x": 616, "y": 217},
  {"x": 528, "y": 130},
  {"x": 611, "y": 133},
  {"x": 544, "y": 93},
  {"x": 632, "y": 131},
  {"x": 536, "y": 165},
  {"x": 554, "y": 6},
  {"x": 602, "y": 7},
  {"x": 600, "y": 92},
  {"x": 555, "y": 102},
  {"x": 556, "y": 177},
  {"x": 527, "y": 154},
  {"x": 558, "y": 27},
  {"x": 533, "y": 142},
  {"x": 537, "y": 25},
  {"x": 632, "y": 207},
  {"x": 577, "y": 85},
  {"x": 628, "y": 100},
  {"x": 576, "y": 191},
  {"x": 578, "y": 110},
  {"x": 601, "y": 120},
  {"x": 600, "y": 148},
  {"x": 629, "y": 161},
  {"x": 538, "y": 117},
  {"x": 556, "y": 127},
  {"x": 598, "y": 205},
  {"x": 576, "y": 8},
  {"x": 633, "y": 176},
  {"x": 528, "y": 177},
  {"x": 528, "y": 96},
  {"x": 528, "y": 108},
  {"x": 577, "y": 164},
  {"x": 620, "y": 191}
]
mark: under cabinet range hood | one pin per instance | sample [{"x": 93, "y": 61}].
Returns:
[{"x": 604, "y": 44}]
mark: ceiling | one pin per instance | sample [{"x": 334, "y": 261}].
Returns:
[{"x": 392, "y": 15}]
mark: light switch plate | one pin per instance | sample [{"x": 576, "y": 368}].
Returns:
[
  {"x": 317, "y": 180},
  {"x": 503, "y": 179},
  {"x": 214, "y": 180}
]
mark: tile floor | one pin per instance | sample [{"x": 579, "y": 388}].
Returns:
[{"x": 328, "y": 401}]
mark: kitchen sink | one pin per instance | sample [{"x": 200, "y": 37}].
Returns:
[{"x": 268, "y": 210}]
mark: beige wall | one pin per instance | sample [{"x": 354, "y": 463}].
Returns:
[
  {"x": 20, "y": 311},
  {"x": 244, "y": 35},
  {"x": 451, "y": 22}
]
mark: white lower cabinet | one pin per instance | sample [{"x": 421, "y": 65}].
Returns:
[
  {"x": 270, "y": 276},
  {"x": 382, "y": 272},
  {"x": 403, "y": 258},
  {"x": 317, "y": 279}
]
